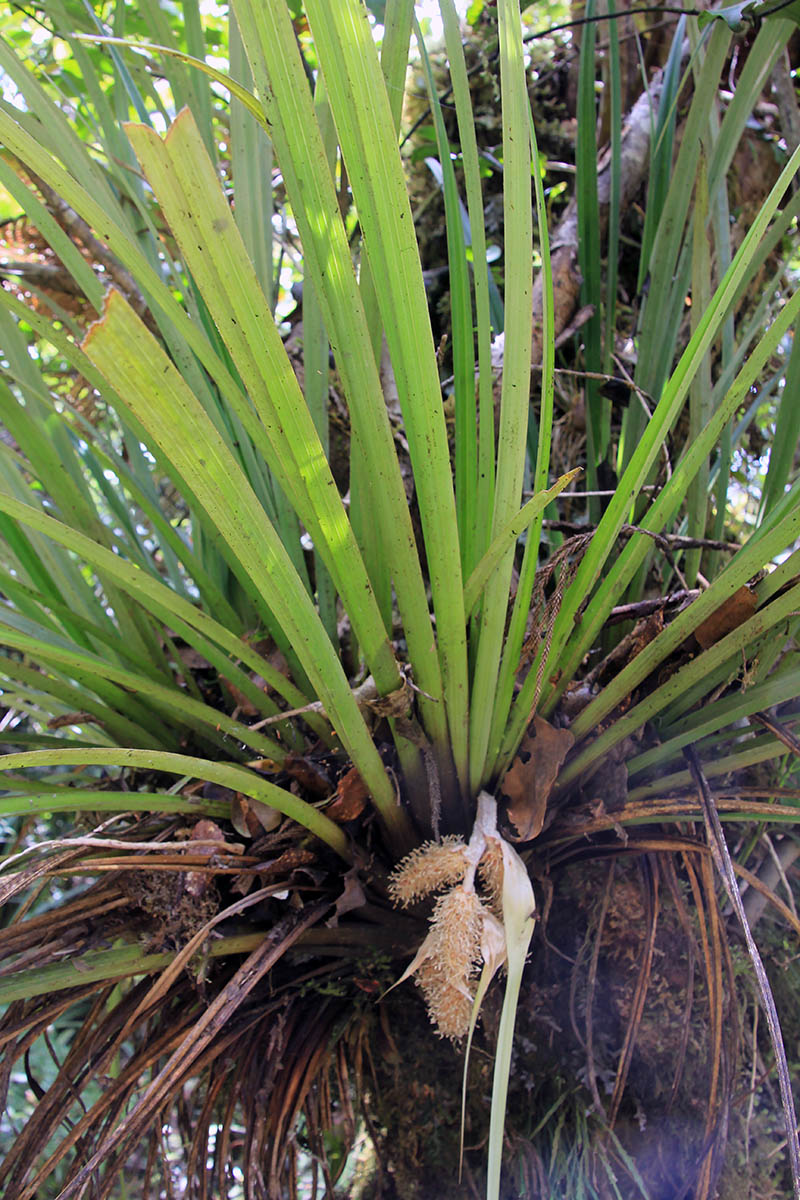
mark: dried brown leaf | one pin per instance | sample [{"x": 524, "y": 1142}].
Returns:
[
  {"x": 268, "y": 765},
  {"x": 350, "y": 799},
  {"x": 352, "y": 898},
  {"x": 309, "y": 774},
  {"x": 284, "y": 864},
  {"x": 243, "y": 818},
  {"x": 737, "y": 609},
  {"x": 528, "y": 782},
  {"x": 268, "y": 818},
  {"x": 73, "y": 718}
]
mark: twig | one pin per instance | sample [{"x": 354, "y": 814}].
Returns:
[
  {"x": 674, "y": 541},
  {"x": 722, "y": 861},
  {"x": 583, "y": 494},
  {"x": 628, "y": 12},
  {"x": 645, "y": 608},
  {"x": 779, "y": 731},
  {"x": 316, "y": 706},
  {"x": 647, "y": 11},
  {"x": 601, "y": 377},
  {"x": 91, "y": 843}
]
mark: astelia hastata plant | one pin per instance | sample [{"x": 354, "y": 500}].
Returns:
[{"x": 168, "y": 656}]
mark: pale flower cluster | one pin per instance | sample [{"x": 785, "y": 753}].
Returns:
[{"x": 465, "y": 930}]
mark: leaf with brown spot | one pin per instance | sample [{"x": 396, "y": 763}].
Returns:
[
  {"x": 267, "y": 765},
  {"x": 350, "y": 799},
  {"x": 732, "y": 613},
  {"x": 528, "y": 782}
]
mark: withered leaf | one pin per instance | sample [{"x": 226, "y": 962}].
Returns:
[
  {"x": 191, "y": 658},
  {"x": 732, "y": 613},
  {"x": 206, "y": 830},
  {"x": 352, "y": 897},
  {"x": 243, "y": 819},
  {"x": 268, "y": 818},
  {"x": 528, "y": 782},
  {"x": 284, "y": 864},
  {"x": 309, "y": 774},
  {"x": 350, "y": 798}
]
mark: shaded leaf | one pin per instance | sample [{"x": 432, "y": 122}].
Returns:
[{"x": 244, "y": 705}]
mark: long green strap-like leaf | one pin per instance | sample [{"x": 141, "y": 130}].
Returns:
[
  {"x": 184, "y": 337},
  {"x": 614, "y": 582},
  {"x": 153, "y": 594},
  {"x": 787, "y": 431},
  {"x": 656, "y": 350},
  {"x": 272, "y": 49},
  {"x": 44, "y": 439},
  {"x": 700, "y": 667},
  {"x": 662, "y": 419},
  {"x": 68, "y": 253},
  {"x": 75, "y": 800},
  {"x": 136, "y": 366},
  {"x": 589, "y": 257},
  {"x": 211, "y": 594},
  {"x": 511, "y": 446},
  {"x": 47, "y": 124},
  {"x": 700, "y": 391},
  {"x": 56, "y": 696},
  {"x": 763, "y": 664},
  {"x": 96, "y": 674},
  {"x": 508, "y": 536},
  {"x": 661, "y": 147},
  {"x": 758, "y": 750},
  {"x": 199, "y": 216},
  {"x": 466, "y": 424},
  {"x": 778, "y": 689},
  {"x": 251, "y": 160},
  {"x": 239, "y": 779},
  {"x": 480, "y": 272},
  {"x": 518, "y": 624},
  {"x": 345, "y": 47}
]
